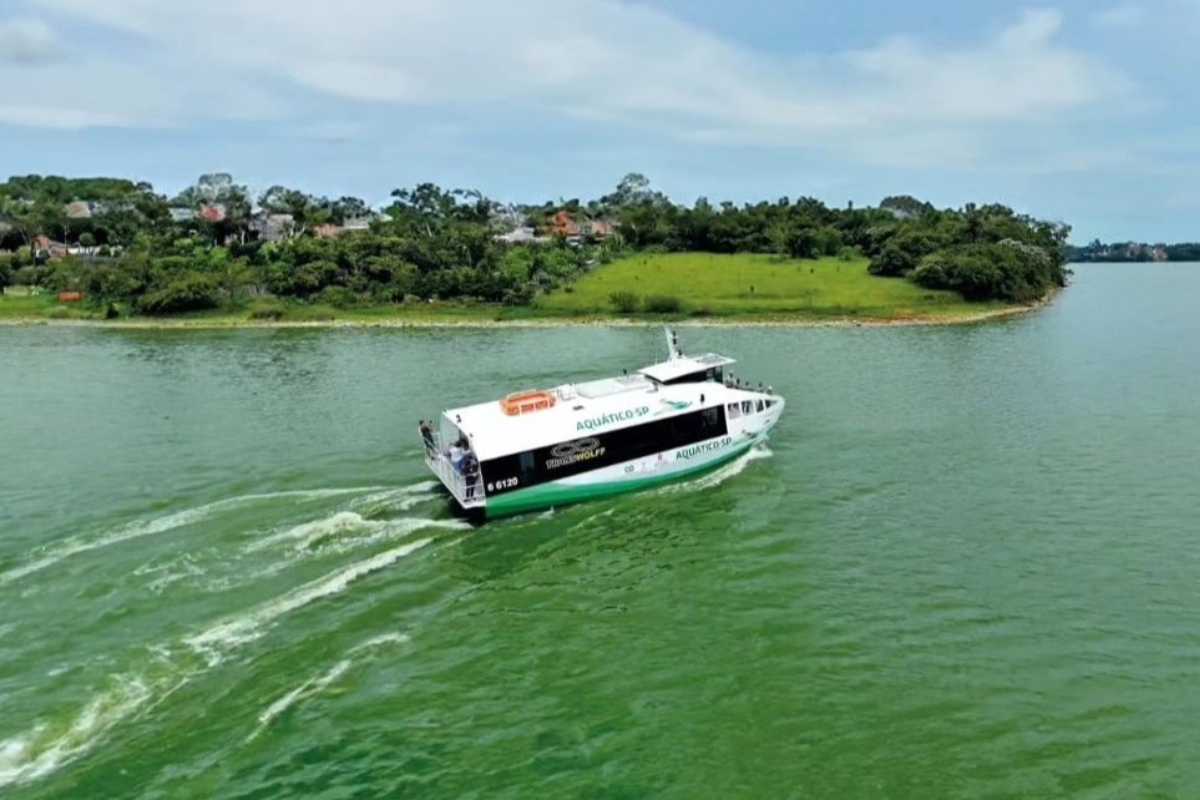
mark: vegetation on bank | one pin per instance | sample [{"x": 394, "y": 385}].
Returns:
[
  {"x": 751, "y": 285},
  {"x": 129, "y": 251}
]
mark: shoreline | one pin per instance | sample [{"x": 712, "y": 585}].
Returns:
[{"x": 547, "y": 322}]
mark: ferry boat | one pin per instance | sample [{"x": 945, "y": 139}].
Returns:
[{"x": 542, "y": 448}]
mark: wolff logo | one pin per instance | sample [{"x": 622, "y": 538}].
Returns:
[{"x": 573, "y": 452}]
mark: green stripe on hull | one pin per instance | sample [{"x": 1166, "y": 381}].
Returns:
[{"x": 559, "y": 494}]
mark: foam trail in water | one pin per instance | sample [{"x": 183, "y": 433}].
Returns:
[
  {"x": 719, "y": 475},
  {"x": 308, "y": 532},
  {"x": 216, "y": 642},
  {"x": 319, "y": 683},
  {"x": 389, "y": 493},
  {"x": 306, "y": 689},
  {"x": 589, "y": 520},
  {"x": 40, "y": 751},
  {"x": 175, "y": 570},
  {"x": 20, "y": 764},
  {"x": 178, "y": 519},
  {"x": 375, "y": 641},
  {"x": 404, "y": 499},
  {"x": 308, "y": 536}
]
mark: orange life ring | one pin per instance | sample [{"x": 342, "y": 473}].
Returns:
[{"x": 525, "y": 402}]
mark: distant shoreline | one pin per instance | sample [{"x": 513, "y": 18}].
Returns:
[{"x": 781, "y": 321}]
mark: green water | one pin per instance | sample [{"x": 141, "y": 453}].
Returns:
[{"x": 967, "y": 568}]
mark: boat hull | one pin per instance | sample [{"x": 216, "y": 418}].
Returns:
[{"x": 634, "y": 476}]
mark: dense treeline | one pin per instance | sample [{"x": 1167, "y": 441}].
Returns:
[
  {"x": 129, "y": 249},
  {"x": 1134, "y": 252}
]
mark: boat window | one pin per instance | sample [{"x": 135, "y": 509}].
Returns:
[
  {"x": 758, "y": 406},
  {"x": 746, "y": 406},
  {"x": 733, "y": 410},
  {"x": 590, "y": 452},
  {"x": 698, "y": 376}
]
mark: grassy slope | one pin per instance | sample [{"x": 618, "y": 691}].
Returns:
[
  {"x": 721, "y": 285},
  {"x": 827, "y": 289}
]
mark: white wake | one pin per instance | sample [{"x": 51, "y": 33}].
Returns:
[
  {"x": 45, "y": 748},
  {"x": 318, "y": 683},
  {"x": 720, "y": 475},
  {"x": 58, "y": 551}
]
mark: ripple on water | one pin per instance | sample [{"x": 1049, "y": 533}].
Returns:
[
  {"x": 50, "y": 745},
  {"x": 966, "y": 570}
]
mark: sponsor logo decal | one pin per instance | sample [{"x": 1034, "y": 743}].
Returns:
[
  {"x": 672, "y": 405},
  {"x": 609, "y": 419},
  {"x": 701, "y": 449},
  {"x": 574, "y": 452}
]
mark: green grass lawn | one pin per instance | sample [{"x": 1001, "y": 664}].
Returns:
[
  {"x": 747, "y": 285},
  {"x": 42, "y": 306}
]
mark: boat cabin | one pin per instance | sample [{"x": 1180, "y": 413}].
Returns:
[
  {"x": 688, "y": 369},
  {"x": 679, "y": 368}
]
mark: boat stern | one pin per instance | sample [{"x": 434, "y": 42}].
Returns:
[{"x": 456, "y": 468}]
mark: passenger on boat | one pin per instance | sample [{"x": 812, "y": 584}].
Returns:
[
  {"x": 471, "y": 471},
  {"x": 427, "y": 436},
  {"x": 456, "y": 455}
]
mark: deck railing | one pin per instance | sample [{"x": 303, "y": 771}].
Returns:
[{"x": 468, "y": 491}]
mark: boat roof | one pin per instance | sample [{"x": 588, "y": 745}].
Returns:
[
  {"x": 679, "y": 366},
  {"x": 584, "y": 409},
  {"x": 579, "y": 411}
]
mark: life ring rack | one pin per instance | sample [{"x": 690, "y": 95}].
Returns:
[{"x": 527, "y": 402}]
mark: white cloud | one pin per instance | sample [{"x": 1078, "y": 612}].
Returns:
[
  {"x": 603, "y": 60},
  {"x": 1127, "y": 16}
]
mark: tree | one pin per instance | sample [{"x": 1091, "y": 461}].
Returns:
[
  {"x": 907, "y": 205},
  {"x": 441, "y": 242}
]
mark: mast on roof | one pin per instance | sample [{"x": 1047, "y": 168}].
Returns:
[{"x": 673, "y": 351}]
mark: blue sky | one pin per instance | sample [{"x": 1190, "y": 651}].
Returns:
[{"x": 1084, "y": 112}]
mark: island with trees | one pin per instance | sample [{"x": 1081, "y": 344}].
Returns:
[{"x": 115, "y": 249}]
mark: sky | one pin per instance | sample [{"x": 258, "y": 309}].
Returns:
[{"x": 1082, "y": 112}]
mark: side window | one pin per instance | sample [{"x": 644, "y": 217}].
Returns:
[
  {"x": 712, "y": 417},
  {"x": 758, "y": 405},
  {"x": 746, "y": 406}
]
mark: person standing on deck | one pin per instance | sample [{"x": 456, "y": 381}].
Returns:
[
  {"x": 471, "y": 470},
  {"x": 427, "y": 436}
]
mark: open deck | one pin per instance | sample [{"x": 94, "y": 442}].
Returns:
[
  {"x": 607, "y": 387},
  {"x": 467, "y": 490}
]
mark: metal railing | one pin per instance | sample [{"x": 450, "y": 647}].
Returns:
[{"x": 467, "y": 490}]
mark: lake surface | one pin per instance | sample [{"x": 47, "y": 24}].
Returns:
[{"x": 967, "y": 567}]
